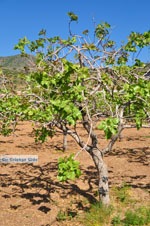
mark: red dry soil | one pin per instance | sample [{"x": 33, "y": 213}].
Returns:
[{"x": 31, "y": 195}]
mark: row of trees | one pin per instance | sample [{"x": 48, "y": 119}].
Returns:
[{"x": 83, "y": 79}]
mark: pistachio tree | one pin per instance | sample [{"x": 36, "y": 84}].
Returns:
[{"x": 84, "y": 79}]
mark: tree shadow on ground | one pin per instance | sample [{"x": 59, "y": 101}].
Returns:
[
  {"x": 140, "y": 155},
  {"x": 135, "y": 183},
  {"x": 57, "y": 146},
  {"x": 38, "y": 184},
  {"x": 36, "y": 147}
]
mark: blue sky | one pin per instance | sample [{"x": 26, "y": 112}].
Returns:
[{"x": 19, "y": 18}]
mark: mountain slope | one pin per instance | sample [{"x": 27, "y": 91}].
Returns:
[{"x": 15, "y": 63}]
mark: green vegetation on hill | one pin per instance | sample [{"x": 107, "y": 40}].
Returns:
[
  {"x": 16, "y": 62},
  {"x": 12, "y": 66}
]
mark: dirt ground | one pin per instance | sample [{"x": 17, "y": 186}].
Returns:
[{"x": 31, "y": 195}]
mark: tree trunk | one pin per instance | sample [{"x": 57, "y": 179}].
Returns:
[
  {"x": 102, "y": 176},
  {"x": 120, "y": 136},
  {"x": 64, "y": 141}
]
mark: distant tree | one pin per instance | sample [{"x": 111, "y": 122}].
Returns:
[{"x": 85, "y": 80}]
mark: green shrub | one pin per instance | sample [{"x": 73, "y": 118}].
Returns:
[
  {"x": 68, "y": 169},
  {"x": 122, "y": 194},
  {"x": 132, "y": 218},
  {"x": 66, "y": 215},
  {"x": 98, "y": 215},
  {"x": 138, "y": 217},
  {"x": 116, "y": 220}
]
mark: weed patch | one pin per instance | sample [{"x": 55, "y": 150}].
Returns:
[
  {"x": 97, "y": 215},
  {"x": 122, "y": 194},
  {"x": 140, "y": 216}
]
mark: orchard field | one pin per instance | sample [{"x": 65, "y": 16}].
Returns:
[
  {"x": 92, "y": 90},
  {"x": 30, "y": 194}
]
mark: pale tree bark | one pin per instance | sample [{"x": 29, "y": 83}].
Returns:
[
  {"x": 65, "y": 146},
  {"x": 97, "y": 156},
  {"x": 102, "y": 176}
]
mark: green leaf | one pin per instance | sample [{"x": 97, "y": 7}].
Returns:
[
  {"x": 72, "y": 16},
  {"x": 126, "y": 86},
  {"x": 136, "y": 88},
  {"x": 30, "y": 113},
  {"x": 108, "y": 133},
  {"x": 101, "y": 126},
  {"x": 109, "y": 126},
  {"x": 85, "y": 32}
]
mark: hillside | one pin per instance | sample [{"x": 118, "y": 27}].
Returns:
[
  {"x": 12, "y": 67},
  {"x": 14, "y": 64}
]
